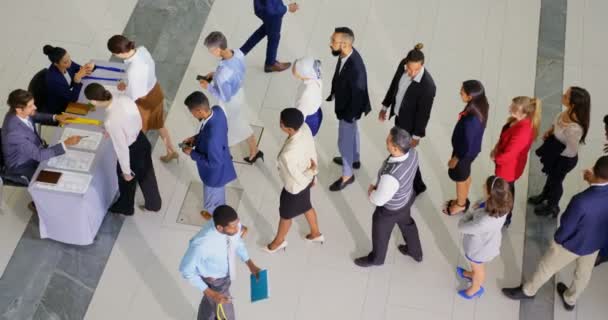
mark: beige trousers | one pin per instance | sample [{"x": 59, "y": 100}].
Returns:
[{"x": 552, "y": 262}]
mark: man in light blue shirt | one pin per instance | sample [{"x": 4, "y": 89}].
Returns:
[{"x": 209, "y": 263}]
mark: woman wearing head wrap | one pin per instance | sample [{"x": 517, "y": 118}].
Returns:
[{"x": 309, "y": 96}]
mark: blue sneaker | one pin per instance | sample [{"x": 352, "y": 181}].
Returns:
[
  {"x": 463, "y": 293},
  {"x": 460, "y": 273}
]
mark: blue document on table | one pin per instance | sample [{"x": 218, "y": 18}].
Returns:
[{"x": 259, "y": 286}]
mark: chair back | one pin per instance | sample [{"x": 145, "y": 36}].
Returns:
[{"x": 38, "y": 89}]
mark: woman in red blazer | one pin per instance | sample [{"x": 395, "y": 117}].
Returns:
[{"x": 511, "y": 152}]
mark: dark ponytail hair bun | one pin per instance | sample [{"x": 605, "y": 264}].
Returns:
[
  {"x": 120, "y": 44},
  {"x": 97, "y": 92},
  {"x": 415, "y": 55},
  {"x": 55, "y": 54}
]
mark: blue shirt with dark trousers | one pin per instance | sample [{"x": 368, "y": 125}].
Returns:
[
  {"x": 467, "y": 137},
  {"x": 583, "y": 226},
  {"x": 59, "y": 91},
  {"x": 269, "y": 8}
]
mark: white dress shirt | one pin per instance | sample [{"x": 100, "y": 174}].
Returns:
[
  {"x": 309, "y": 96},
  {"x": 123, "y": 124},
  {"x": 344, "y": 61},
  {"x": 67, "y": 77},
  {"x": 141, "y": 74},
  {"x": 387, "y": 186},
  {"x": 404, "y": 83}
]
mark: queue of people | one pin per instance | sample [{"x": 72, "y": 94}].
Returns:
[{"x": 210, "y": 259}]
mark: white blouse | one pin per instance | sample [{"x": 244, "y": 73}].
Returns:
[
  {"x": 569, "y": 134},
  {"x": 123, "y": 124},
  {"x": 309, "y": 96},
  {"x": 141, "y": 74}
]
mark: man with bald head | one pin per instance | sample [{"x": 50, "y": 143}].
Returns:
[{"x": 349, "y": 89}]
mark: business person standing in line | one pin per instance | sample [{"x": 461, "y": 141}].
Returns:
[
  {"x": 349, "y": 89},
  {"x": 271, "y": 13},
  {"x": 410, "y": 98}
]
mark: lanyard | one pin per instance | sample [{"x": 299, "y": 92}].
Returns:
[
  {"x": 101, "y": 78},
  {"x": 110, "y": 69},
  {"x": 219, "y": 313}
]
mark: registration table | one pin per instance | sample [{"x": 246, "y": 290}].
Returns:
[{"x": 72, "y": 210}]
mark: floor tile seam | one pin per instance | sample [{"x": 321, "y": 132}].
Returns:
[{"x": 73, "y": 279}]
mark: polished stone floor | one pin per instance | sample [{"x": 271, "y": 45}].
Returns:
[{"x": 133, "y": 274}]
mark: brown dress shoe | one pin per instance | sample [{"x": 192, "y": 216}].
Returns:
[
  {"x": 206, "y": 215},
  {"x": 277, "y": 67}
]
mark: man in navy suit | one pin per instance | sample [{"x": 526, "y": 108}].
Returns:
[
  {"x": 349, "y": 89},
  {"x": 209, "y": 149},
  {"x": 271, "y": 12},
  {"x": 580, "y": 236},
  {"x": 22, "y": 147}
]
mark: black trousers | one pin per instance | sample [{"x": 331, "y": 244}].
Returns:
[
  {"x": 554, "y": 188},
  {"x": 419, "y": 185},
  {"x": 383, "y": 222},
  {"x": 140, "y": 153},
  {"x": 512, "y": 188}
]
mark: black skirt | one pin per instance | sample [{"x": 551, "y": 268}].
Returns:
[
  {"x": 462, "y": 170},
  {"x": 293, "y": 205}
]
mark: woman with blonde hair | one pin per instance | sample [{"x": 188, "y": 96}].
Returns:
[{"x": 511, "y": 152}]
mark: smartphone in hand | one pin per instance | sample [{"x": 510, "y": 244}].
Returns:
[{"x": 199, "y": 78}]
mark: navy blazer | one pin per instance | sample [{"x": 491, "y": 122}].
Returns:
[
  {"x": 269, "y": 8},
  {"x": 415, "y": 108},
  {"x": 212, "y": 153},
  {"x": 583, "y": 226},
  {"x": 467, "y": 137},
  {"x": 22, "y": 147},
  {"x": 349, "y": 88},
  {"x": 59, "y": 92}
]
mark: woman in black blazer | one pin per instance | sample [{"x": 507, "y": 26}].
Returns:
[
  {"x": 466, "y": 143},
  {"x": 410, "y": 97}
]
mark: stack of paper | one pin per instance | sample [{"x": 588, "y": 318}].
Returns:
[
  {"x": 69, "y": 182},
  {"x": 91, "y": 139},
  {"x": 73, "y": 160}
]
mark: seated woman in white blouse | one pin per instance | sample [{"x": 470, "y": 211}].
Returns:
[{"x": 309, "y": 96}]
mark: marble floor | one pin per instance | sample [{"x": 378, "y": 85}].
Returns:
[{"x": 499, "y": 47}]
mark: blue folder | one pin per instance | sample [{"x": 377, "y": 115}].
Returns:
[{"x": 259, "y": 286}]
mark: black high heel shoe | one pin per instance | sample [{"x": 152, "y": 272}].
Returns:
[{"x": 259, "y": 155}]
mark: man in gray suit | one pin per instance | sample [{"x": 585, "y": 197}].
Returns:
[{"x": 22, "y": 147}]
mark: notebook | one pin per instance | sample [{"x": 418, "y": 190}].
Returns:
[
  {"x": 78, "y": 108},
  {"x": 51, "y": 177},
  {"x": 259, "y": 286}
]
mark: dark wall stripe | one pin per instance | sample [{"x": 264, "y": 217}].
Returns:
[{"x": 548, "y": 87}]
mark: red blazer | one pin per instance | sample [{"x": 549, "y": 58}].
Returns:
[{"x": 512, "y": 150}]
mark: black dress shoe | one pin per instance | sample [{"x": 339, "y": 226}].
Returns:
[
  {"x": 338, "y": 161},
  {"x": 537, "y": 199},
  {"x": 516, "y": 293},
  {"x": 561, "y": 288},
  {"x": 546, "y": 210},
  {"x": 404, "y": 250},
  {"x": 364, "y": 262},
  {"x": 339, "y": 185},
  {"x": 600, "y": 260}
]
